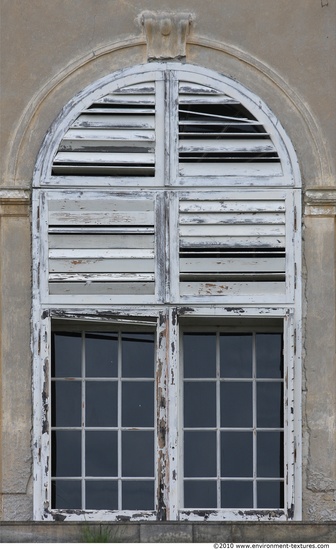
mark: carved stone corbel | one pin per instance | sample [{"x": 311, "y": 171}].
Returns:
[{"x": 166, "y": 34}]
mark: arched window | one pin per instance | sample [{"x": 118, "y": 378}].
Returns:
[{"x": 167, "y": 301}]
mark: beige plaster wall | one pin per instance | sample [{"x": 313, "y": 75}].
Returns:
[{"x": 284, "y": 52}]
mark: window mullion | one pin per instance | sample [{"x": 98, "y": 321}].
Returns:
[
  {"x": 119, "y": 424},
  {"x": 173, "y": 412},
  {"x": 83, "y": 427},
  {"x": 254, "y": 418},
  {"x": 218, "y": 420}
]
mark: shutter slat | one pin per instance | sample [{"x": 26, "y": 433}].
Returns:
[
  {"x": 233, "y": 242},
  {"x": 230, "y": 169},
  {"x": 125, "y": 290},
  {"x": 237, "y": 206},
  {"x": 115, "y": 121},
  {"x": 229, "y": 288},
  {"x": 97, "y": 265},
  {"x": 214, "y": 145},
  {"x": 92, "y": 253},
  {"x": 58, "y": 241},
  {"x": 101, "y": 218},
  {"x": 232, "y": 265},
  {"x": 105, "y": 158}
]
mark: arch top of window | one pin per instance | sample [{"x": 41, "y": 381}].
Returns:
[{"x": 166, "y": 125}]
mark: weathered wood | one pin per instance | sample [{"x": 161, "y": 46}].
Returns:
[
  {"x": 239, "y": 218},
  {"x": 232, "y": 265},
  {"x": 104, "y": 158},
  {"x": 92, "y": 253},
  {"x": 228, "y": 204},
  {"x": 96, "y": 288},
  {"x": 233, "y": 241},
  {"x": 101, "y": 218},
  {"x": 227, "y": 230},
  {"x": 230, "y": 168},
  {"x": 222, "y": 145},
  {"x": 101, "y": 120},
  {"x": 97, "y": 265},
  {"x": 100, "y": 204},
  {"x": 228, "y": 288},
  {"x": 100, "y": 277},
  {"x": 101, "y": 241}
]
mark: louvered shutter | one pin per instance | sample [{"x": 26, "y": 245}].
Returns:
[
  {"x": 219, "y": 137},
  {"x": 114, "y": 136},
  {"x": 235, "y": 246},
  {"x": 101, "y": 248}
]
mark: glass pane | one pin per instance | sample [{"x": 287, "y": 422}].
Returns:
[
  {"x": 138, "y": 454},
  {"x": 269, "y": 404},
  {"x": 138, "y": 404},
  {"x": 236, "y": 404},
  {"x": 101, "y": 404},
  {"x": 236, "y": 454},
  {"x": 101, "y": 454},
  {"x": 66, "y": 453},
  {"x": 199, "y": 355},
  {"x": 66, "y": 494},
  {"x": 137, "y": 355},
  {"x": 270, "y": 494},
  {"x": 200, "y": 494},
  {"x": 237, "y": 494},
  {"x": 138, "y": 495},
  {"x": 67, "y": 354},
  {"x": 270, "y": 454},
  {"x": 269, "y": 355},
  {"x": 236, "y": 355},
  {"x": 101, "y": 355},
  {"x": 200, "y": 454},
  {"x": 199, "y": 404},
  {"x": 66, "y": 398},
  {"x": 101, "y": 495}
]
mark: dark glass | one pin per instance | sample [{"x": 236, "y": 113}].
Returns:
[
  {"x": 199, "y": 404},
  {"x": 138, "y": 454},
  {"x": 236, "y": 404},
  {"x": 137, "y": 355},
  {"x": 66, "y": 399},
  {"x": 101, "y": 495},
  {"x": 66, "y": 453},
  {"x": 66, "y": 494},
  {"x": 66, "y": 355},
  {"x": 200, "y": 494},
  {"x": 237, "y": 494},
  {"x": 269, "y": 404},
  {"x": 199, "y": 355},
  {"x": 138, "y": 404},
  {"x": 101, "y": 404},
  {"x": 101, "y": 458},
  {"x": 101, "y": 355},
  {"x": 269, "y": 355},
  {"x": 270, "y": 494},
  {"x": 236, "y": 454},
  {"x": 236, "y": 355},
  {"x": 270, "y": 454},
  {"x": 200, "y": 454},
  {"x": 138, "y": 495}
]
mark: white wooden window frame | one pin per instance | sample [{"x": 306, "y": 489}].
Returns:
[
  {"x": 167, "y": 307},
  {"x": 170, "y": 323}
]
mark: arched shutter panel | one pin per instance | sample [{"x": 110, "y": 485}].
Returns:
[
  {"x": 219, "y": 137},
  {"x": 115, "y": 136}
]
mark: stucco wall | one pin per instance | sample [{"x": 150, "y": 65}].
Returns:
[{"x": 282, "y": 51}]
